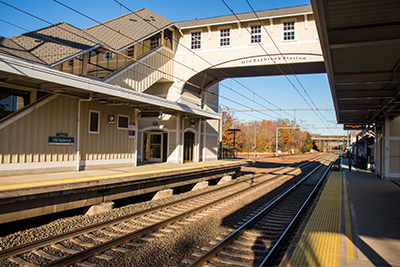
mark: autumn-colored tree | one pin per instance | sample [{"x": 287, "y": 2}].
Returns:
[
  {"x": 307, "y": 143},
  {"x": 263, "y": 136},
  {"x": 230, "y": 122}
]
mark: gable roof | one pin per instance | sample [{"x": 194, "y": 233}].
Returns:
[
  {"x": 54, "y": 43},
  {"x": 129, "y": 28},
  {"x": 62, "y": 41},
  {"x": 306, "y": 9},
  {"x": 8, "y": 46}
]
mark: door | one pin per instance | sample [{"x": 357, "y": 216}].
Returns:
[
  {"x": 188, "y": 147},
  {"x": 155, "y": 142}
]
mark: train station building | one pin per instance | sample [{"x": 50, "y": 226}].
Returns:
[{"x": 140, "y": 88}]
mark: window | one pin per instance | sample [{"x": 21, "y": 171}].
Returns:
[
  {"x": 288, "y": 31},
  {"x": 71, "y": 63},
  {"x": 12, "y": 100},
  {"x": 123, "y": 122},
  {"x": 155, "y": 41},
  {"x": 196, "y": 40},
  {"x": 108, "y": 55},
  {"x": 225, "y": 39},
  {"x": 255, "y": 34},
  {"x": 131, "y": 51},
  {"x": 94, "y": 121}
]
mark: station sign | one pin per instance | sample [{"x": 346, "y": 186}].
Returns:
[
  {"x": 61, "y": 141},
  {"x": 149, "y": 114},
  {"x": 352, "y": 126}
]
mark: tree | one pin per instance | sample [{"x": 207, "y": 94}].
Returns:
[
  {"x": 307, "y": 143},
  {"x": 230, "y": 122}
]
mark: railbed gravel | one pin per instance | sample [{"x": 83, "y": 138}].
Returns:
[
  {"x": 68, "y": 224},
  {"x": 168, "y": 250},
  {"x": 172, "y": 248}
]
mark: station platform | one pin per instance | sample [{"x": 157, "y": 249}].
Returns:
[
  {"x": 356, "y": 222},
  {"x": 29, "y": 196},
  {"x": 144, "y": 170}
]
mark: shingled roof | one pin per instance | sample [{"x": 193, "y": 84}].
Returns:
[
  {"x": 129, "y": 28},
  {"x": 61, "y": 41},
  {"x": 54, "y": 43},
  {"x": 8, "y": 46},
  {"x": 245, "y": 16}
]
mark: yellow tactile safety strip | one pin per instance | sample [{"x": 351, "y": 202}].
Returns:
[
  {"x": 319, "y": 244},
  {"x": 349, "y": 240},
  {"x": 100, "y": 177}
]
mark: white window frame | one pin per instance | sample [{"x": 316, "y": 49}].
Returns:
[
  {"x": 201, "y": 37},
  {"x": 98, "y": 121},
  {"x": 219, "y": 36},
  {"x": 261, "y": 35},
  {"x": 283, "y": 30},
  {"x": 122, "y": 128}
]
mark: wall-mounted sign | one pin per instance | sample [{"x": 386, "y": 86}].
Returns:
[
  {"x": 149, "y": 114},
  {"x": 111, "y": 119},
  {"x": 61, "y": 141},
  {"x": 61, "y": 134},
  {"x": 350, "y": 126},
  {"x": 131, "y": 130}
]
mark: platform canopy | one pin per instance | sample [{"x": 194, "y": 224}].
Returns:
[
  {"x": 361, "y": 45},
  {"x": 16, "y": 73}
]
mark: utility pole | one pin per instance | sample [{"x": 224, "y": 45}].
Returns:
[{"x": 255, "y": 139}]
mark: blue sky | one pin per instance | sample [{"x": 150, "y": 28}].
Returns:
[{"x": 275, "y": 89}]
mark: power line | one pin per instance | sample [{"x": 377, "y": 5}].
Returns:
[
  {"x": 117, "y": 51},
  {"x": 135, "y": 40},
  {"x": 279, "y": 68},
  {"x": 194, "y": 53},
  {"x": 290, "y": 67}
]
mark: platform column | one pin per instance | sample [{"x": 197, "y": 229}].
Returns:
[
  {"x": 135, "y": 141},
  {"x": 199, "y": 142},
  {"x": 204, "y": 139},
  {"x": 182, "y": 135},
  {"x": 178, "y": 138}
]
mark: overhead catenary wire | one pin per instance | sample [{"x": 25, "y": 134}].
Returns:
[
  {"x": 108, "y": 27},
  {"x": 202, "y": 58},
  {"x": 290, "y": 67},
  {"x": 105, "y": 47},
  {"x": 228, "y": 99},
  {"x": 277, "y": 65}
]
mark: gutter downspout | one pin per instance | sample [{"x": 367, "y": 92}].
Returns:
[{"x": 78, "y": 131}]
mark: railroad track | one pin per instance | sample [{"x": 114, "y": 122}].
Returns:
[
  {"x": 93, "y": 240},
  {"x": 257, "y": 240}
]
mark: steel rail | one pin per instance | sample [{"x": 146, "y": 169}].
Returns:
[
  {"x": 79, "y": 256},
  {"x": 233, "y": 236},
  {"x": 278, "y": 243},
  {"x": 51, "y": 240}
]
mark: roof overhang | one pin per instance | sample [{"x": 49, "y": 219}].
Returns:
[
  {"x": 235, "y": 21},
  {"x": 360, "y": 41},
  {"x": 22, "y": 74}
]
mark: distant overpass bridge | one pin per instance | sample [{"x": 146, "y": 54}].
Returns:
[{"x": 329, "y": 138}]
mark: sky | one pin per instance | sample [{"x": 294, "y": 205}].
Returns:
[{"x": 276, "y": 90}]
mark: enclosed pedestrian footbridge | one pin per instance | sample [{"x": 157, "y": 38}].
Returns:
[{"x": 249, "y": 46}]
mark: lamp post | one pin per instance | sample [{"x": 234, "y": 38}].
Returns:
[{"x": 234, "y": 140}]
